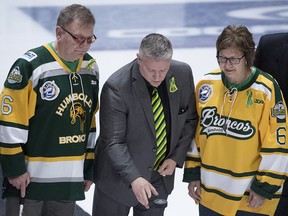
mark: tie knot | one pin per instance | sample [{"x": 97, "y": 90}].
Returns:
[
  {"x": 155, "y": 92},
  {"x": 155, "y": 97}
]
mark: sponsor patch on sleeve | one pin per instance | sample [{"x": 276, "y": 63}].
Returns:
[
  {"x": 29, "y": 56},
  {"x": 279, "y": 111}
]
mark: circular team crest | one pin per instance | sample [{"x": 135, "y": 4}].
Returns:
[
  {"x": 205, "y": 91},
  {"x": 49, "y": 90}
]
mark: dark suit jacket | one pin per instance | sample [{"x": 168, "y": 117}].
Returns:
[
  {"x": 126, "y": 146},
  {"x": 272, "y": 57}
]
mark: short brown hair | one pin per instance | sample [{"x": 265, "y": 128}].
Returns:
[
  {"x": 239, "y": 38},
  {"x": 75, "y": 12}
]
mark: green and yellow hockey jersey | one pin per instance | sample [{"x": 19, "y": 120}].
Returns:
[
  {"x": 240, "y": 143},
  {"x": 48, "y": 124}
]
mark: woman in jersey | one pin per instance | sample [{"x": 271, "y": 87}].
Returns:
[{"x": 238, "y": 159}]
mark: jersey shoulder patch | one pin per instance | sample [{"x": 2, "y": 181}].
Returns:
[{"x": 29, "y": 56}]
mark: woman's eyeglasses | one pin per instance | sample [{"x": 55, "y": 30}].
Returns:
[{"x": 232, "y": 60}]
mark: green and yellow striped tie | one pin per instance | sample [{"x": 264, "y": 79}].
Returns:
[{"x": 160, "y": 128}]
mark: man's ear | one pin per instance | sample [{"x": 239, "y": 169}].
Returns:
[
  {"x": 138, "y": 58},
  {"x": 58, "y": 32}
]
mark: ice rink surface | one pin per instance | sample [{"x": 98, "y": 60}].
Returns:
[{"x": 192, "y": 26}]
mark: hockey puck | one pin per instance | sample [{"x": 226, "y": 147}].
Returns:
[{"x": 160, "y": 203}]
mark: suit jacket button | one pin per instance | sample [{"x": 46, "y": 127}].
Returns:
[
  {"x": 154, "y": 149},
  {"x": 150, "y": 169}
]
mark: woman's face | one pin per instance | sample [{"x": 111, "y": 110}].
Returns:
[{"x": 233, "y": 63}]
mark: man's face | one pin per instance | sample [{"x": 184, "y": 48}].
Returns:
[
  {"x": 152, "y": 70},
  {"x": 70, "y": 37}
]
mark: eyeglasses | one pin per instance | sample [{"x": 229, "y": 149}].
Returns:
[
  {"x": 232, "y": 60},
  {"x": 81, "y": 40}
]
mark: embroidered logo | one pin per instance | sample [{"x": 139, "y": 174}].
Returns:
[
  {"x": 49, "y": 90},
  {"x": 205, "y": 91},
  {"x": 77, "y": 110},
  {"x": 70, "y": 99},
  {"x": 15, "y": 76},
  {"x": 213, "y": 124},
  {"x": 29, "y": 56},
  {"x": 278, "y": 111},
  {"x": 173, "y": 88}
]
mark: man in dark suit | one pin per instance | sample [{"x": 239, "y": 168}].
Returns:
[
  {"x": 127, "y": 174},
  {"x": 272, "y": 57}
]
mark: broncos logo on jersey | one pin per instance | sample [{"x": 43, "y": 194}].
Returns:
[{"x": 76, "y": 110}]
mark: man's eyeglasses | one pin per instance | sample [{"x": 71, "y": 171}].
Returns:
[
  {"x": 81, "y": 40},
  {"x": 232, "y": 60}
]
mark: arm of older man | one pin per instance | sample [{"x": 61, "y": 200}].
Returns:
[{"x": 20, "y": 182}]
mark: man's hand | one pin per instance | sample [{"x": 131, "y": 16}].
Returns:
[
  {"x": 255, "y": 200},
  {"x": 167, "y": 168},
  {"x": 194, "y": 191},
  {"x": 20, "y": 182},
  {"x": 87, "y": 185},
  {"x": 143, "y": 190}
]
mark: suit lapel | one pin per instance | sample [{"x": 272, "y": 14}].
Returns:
[{"x": 143, "y": 95}]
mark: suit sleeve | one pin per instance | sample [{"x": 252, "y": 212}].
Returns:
[
  {"x": 193, "y": 160},
  {"x": 113, "y": 130},
  {"x": 190, "y": 123}
]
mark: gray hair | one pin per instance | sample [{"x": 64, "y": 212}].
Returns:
[
  {"x": 75, "y": 12},
  {"x": 156, "y": 46}
]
